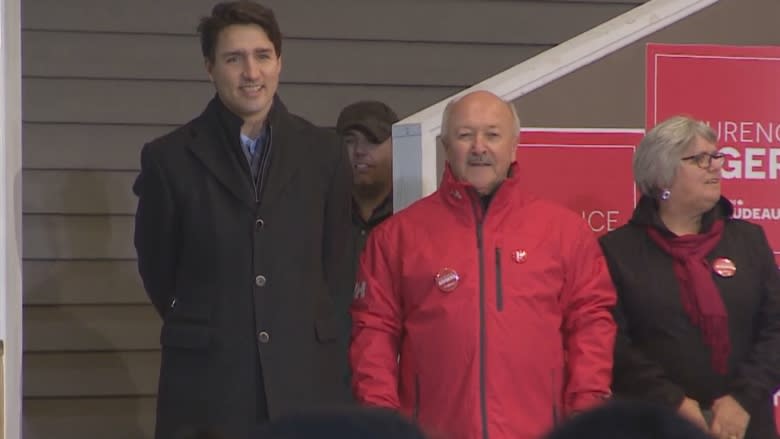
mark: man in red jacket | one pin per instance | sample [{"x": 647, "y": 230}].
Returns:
[{"x": 481, "y": 311}]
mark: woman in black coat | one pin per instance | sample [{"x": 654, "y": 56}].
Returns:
[{"x": 698, "y": 291}]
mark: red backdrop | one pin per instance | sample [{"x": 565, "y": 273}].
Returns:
[{"x": 588, "y": 171}]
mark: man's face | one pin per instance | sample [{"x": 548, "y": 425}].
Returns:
[
  {"x": 372, "y": 163},
  {"x": 245, "y": 70},
  {"x": 480, "y": 141}
]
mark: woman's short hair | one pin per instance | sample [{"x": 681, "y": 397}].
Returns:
[{"x": 659, "y": 153}]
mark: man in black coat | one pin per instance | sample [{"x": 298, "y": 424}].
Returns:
[{"x": 243, "y": 233}]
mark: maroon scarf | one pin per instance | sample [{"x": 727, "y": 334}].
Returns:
[{"x": 698, "y": 292}]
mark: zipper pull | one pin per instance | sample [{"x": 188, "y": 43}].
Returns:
[{"x": 555, "y": 416}]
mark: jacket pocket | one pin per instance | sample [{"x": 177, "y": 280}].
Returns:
[
  {"x": 185, "y": 336},
  {"x": 326, "y": 330},
  {"x": 499, "y": 282}
]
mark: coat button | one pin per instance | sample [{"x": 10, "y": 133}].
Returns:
[
  {"x": 263, "y": 337},
  {"x": 259, "y": 224},
  {"x": 260, "y": 281}
]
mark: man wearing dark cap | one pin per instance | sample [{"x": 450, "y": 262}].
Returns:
[{"x": 365, "y": 127}]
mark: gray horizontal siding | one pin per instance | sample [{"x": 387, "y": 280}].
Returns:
[
  {"x": 175, "y": 102},
  {"x": 78, "y": 237},
  {"x": 90, "y": 282},
  {"x": 512, "y": 22},
  {"x": 91, "y": 328},
  {"x": 90, "y": 374},
  {"x": 306, "y": 61},
  {"x": 79, "y": 192},
  {"x": 84, "y": 145},
  {"x": 93, "y": 418}
]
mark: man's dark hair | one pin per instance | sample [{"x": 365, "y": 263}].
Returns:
[
  {"x": 628, "y": 420},
  {"x": 343, "y": 423},
  {"x": 237, "y": 12}
]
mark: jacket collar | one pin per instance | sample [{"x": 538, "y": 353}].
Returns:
[
  {"x": 646, "y": 214},
  {"x": 288, "y": 149},
  {"x": 215, "y": 141},
  {"x": 382, "y": 212},
  {"x": 462, "y": 196},
  {"x": 217, "y": 144}
]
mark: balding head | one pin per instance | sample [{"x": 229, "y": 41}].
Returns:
[
  {"x": 480, "y": 94},
  {"x": 479, "y": 135}
]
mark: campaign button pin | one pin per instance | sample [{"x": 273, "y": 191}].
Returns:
[
  {"x": 724, "y": 267},
  {"x": 519, "y": 256},
  {"x": 447, "y": 279}
]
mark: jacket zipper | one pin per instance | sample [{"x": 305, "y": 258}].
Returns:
[
  {"x": 479, "y": 214},
  {"x": 258, "y": 185},
  {"x": 499, "y": 282},
  {"x": 416, "y": 412},
  {"x": 555, "y": 414}
]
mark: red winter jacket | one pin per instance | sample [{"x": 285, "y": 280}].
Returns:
[{"x": 514, "y": 333}]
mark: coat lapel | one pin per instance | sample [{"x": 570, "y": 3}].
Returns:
[
  {"x": 288, "y": 151},
  {"x": 287, "y": 154},
  {"x": 210, "y": 148}
]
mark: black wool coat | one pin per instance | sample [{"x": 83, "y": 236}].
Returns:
[{"x": 244, "y": 275}]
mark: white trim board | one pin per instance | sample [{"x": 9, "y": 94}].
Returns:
[
  {"x": 414, "y": 138},
  {"x": 11, "y": 217}
]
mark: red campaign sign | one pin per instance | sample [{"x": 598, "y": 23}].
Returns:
[
  {"x": 736, "y": 91},
  {"x": 588, "y": 171}
]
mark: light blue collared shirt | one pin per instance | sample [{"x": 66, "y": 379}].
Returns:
[{"x": 250, "y": 145}]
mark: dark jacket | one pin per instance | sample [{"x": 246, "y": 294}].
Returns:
[
  {"x": 244, "y": 275},
  {"x": 361, "y": 228},
  {"x": 659, "y": 355},
  {"x": 360, "y": 231}
]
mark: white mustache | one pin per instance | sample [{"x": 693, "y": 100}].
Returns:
[{"x": 481, "y": 159}]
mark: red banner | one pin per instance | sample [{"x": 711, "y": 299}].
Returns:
[
  {"x": 588, "y": 171},
  {"x": 737, "y": 92}
]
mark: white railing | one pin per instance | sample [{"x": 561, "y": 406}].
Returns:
[
  {"x": 414, "y": 138},
  {"x": 10, "y": 219}
]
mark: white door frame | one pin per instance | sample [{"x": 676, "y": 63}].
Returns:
[{"x": 11, "y": 218}]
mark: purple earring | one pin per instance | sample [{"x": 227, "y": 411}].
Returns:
[{"x": 666, "y": 194}]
